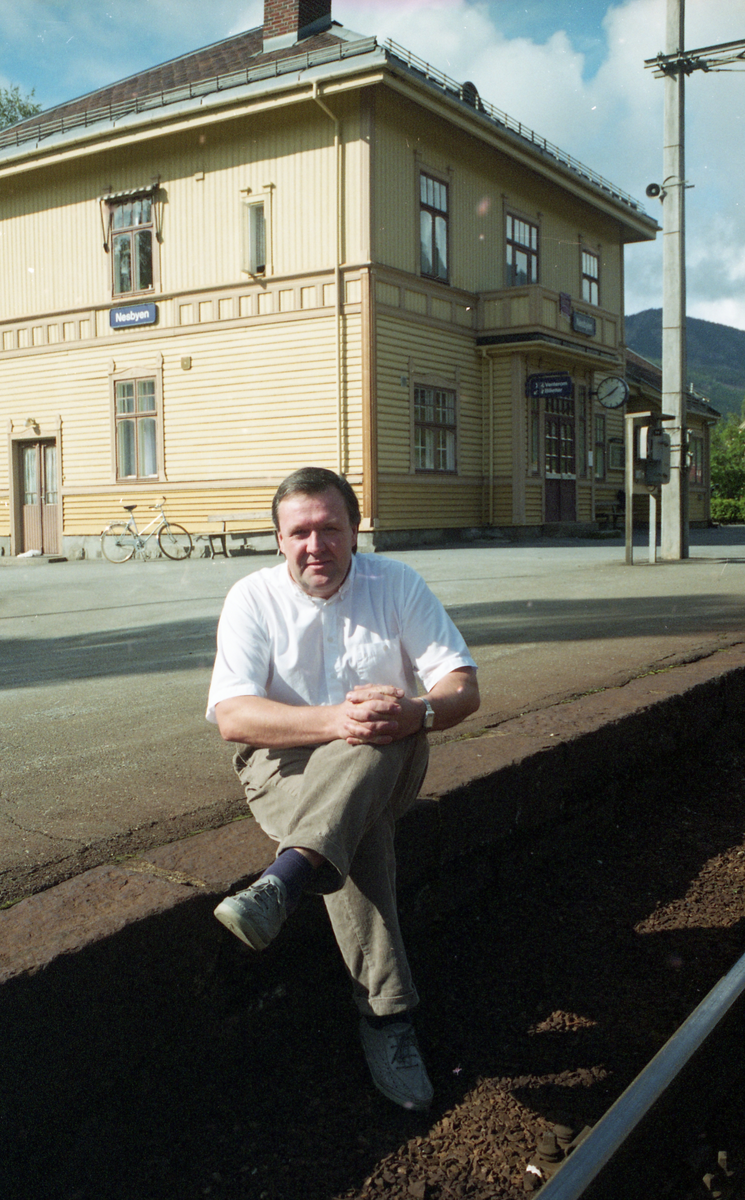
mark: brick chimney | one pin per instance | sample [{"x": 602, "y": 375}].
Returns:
[{"x": 287, "y": 21}]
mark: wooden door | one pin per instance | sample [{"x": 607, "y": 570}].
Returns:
[
  {"x": 40, "y": 497},
  {"x": 561, "y": 464}
]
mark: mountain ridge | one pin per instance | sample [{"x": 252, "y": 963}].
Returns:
[{"x": 716, "y": 355}]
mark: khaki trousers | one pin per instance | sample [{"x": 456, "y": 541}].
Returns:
[{"x": 343, "y": 802}]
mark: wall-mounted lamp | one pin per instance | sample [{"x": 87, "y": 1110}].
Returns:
[{"x": 32, "y": 423}]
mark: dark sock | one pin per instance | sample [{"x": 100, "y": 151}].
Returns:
[
  {"x": 295, "y": 871},
  {"x": 402, "y": 1018}
]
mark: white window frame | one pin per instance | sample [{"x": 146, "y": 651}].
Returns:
[
  {"x": 590, "y": 281},
  {"x": 110, "y": 204},
  {"x": 256, "y": 210},
  {"x": 149, "y": 367},
  {"x": 447, "y": 429}
]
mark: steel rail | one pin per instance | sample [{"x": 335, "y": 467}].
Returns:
[{"x": 609, "y": 1136}]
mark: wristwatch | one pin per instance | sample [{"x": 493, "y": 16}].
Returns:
[{"x": 429, "y": 714}]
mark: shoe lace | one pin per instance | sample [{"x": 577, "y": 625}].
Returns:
[
  {"x": 267, "y": 895},
  {"x": 406, "y": 1053}
]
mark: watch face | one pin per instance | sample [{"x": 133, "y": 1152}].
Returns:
[{"x": 612, "y": 392}]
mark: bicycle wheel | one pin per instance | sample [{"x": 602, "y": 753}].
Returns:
[
  {"x": 175, "y": 541},
  {"x": 117, "y": 542}
]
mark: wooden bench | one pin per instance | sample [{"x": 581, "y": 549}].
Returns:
[
  {"x": 221, "y": 537},
  {"x": 609, "y": 513}
]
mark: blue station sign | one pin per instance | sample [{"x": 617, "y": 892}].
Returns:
[
  {"x": 554, "y": 385},
  {"x": 133, "y": 314},
  {"x": 583, "y": 323}
]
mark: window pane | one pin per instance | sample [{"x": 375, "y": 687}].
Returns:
[
  {"x": 445, "y": 451},
  {"x": 141, "y": 211},
  {"x": 256, "y": 239},
  {"x": 441, "y": 248},
  {"x": 122, "y": 216},
  {"x": 146, "y": 446},
  {"x": 425, "y": 229},
  {"x": 50, "y": 474},
  {"x": 122, "y": 249},
  {"x": 125, "y": 397},
  {"x": 521, "y": 266},
  {"x": 144, "y": 246},
  {"x": 30, "y": 475},
  {"x": 145, "y": 395},
  {"x": 126, "y": 464},
  {"x": 260, "y": 237}
]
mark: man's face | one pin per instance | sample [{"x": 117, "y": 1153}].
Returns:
[{"x": 317, "y": 539}]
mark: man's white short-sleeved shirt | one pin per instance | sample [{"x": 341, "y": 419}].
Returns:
[{"x": 383, "y": 625}]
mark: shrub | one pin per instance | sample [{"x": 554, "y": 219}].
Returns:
[{"x": 726, "y": 511}]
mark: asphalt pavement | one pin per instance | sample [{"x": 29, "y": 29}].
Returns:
[{"x": 104, "y": 673}]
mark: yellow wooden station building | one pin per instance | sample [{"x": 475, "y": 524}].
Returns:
[{"x": 301, "y": 246}]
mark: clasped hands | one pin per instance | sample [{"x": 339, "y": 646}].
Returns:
[{"x": 377, "y": 714}]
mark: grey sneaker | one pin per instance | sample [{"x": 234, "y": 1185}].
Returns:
[
  {"x": 256, "y": 915},
  {"x": 396, "y": 1065}
]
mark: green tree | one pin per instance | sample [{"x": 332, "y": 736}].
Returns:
[
  {"x": 728, "y": 459},
  {"x": 15, "y": 107}
]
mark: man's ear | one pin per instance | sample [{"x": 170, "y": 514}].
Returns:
[
  {"x": 355, "y": 530},
  {"x": 279, "y": 546}
]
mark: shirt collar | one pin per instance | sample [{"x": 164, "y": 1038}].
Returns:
[{"x": 318, "y": 601}]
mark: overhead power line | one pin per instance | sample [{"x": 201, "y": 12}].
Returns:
[{"x": 728, "y": 56}]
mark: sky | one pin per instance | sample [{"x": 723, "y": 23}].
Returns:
[{"x": 572, "y": 70}]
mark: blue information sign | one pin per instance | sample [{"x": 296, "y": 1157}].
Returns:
[
  {"x": 133, "y": 314},
  {"x": 583, "y": 323},
  {"x": 556, "y": 385}
]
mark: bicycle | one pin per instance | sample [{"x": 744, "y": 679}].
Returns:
[{"x": 122, "y": 539}]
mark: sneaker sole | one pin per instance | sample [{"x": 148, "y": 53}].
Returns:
[
  {"x": 396, "y": 1098},
  {"x": 240, "y": 927}
]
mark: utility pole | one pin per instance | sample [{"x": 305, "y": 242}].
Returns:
[
  {"x": 673, "y": 66},
  {"x": 674, "y": 533}
]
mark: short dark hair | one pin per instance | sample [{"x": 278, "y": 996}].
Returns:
[{"x": 310, "y": 481}]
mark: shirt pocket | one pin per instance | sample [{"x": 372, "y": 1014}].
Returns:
[{"x": 377, "y": 662}]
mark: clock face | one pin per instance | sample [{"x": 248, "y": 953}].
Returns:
[{"x": 613, "y": 392}]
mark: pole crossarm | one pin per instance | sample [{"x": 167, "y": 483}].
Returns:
[{"x": 707, "y": 58}]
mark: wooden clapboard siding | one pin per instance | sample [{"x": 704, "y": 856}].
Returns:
[
  {"x": 73, "y": 386},
  {"x": 584, "y": 502},
  {"x": 534, "y": 503},
  {"x": 256, "y": 400},
  {"x": 261, "y": 401},
  {"x": 410, "y": 352},
  {"x": 502, "y": 402},
  {"x": 484, "y": 184},
  {"x": 428, "y": 502},
  {"x": 52, "y": 235},
  {"x": 90, "y": 513},
  {"x": 416, "y": 353}
]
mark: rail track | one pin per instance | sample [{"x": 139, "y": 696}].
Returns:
[{"x": 649, "y": 1143}]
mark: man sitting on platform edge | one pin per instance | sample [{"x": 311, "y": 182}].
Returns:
[{"x": 315, "y": 678}]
